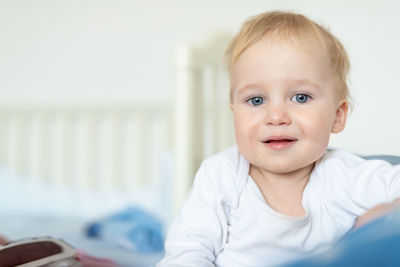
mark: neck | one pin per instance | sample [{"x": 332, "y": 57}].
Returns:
[
  {"x": 288, "y": 180},
  {"x": 283, "y": 191}
]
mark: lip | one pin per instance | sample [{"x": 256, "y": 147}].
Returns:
[{"x": 279, "y": 142}]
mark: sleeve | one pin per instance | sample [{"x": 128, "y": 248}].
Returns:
[
  {"x": 199, "y": 231},
  {"x": 358, "y": 185}
]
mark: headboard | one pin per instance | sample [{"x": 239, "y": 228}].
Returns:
[
  {"x": 99, "y": 147},
  {"x": 121, "y": 147},
  {"x": 203, "y": 121}
]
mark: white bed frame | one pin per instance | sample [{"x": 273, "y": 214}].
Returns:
[{"x": 114, "y": 147}]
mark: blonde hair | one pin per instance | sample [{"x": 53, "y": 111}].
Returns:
[{"x": 292, "y": 27}]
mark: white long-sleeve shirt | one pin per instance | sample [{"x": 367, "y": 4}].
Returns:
[{"x": 225, "y": 221}]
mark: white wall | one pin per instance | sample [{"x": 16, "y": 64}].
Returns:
[{"x": 103, "y": 51}]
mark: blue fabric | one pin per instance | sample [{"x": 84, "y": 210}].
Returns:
[
  {"x": 132, "y": 229},
  {"x": 394, "y": 160},
  {"x": 375, "y": 244}
]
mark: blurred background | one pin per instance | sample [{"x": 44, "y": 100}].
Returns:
[
  {"x": 99, "y": 113},
  {"x": 103, "y": 51}
]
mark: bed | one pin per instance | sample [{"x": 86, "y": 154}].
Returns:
[{"x": 64, "y": 165}]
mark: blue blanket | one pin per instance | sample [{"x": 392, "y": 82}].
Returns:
[
  {"x": 132, "y": 229},
  {"x": 375, "y": 244}
]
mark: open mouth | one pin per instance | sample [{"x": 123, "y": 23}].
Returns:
[
  {"x": 279, "y": 143},
  {"x": 279, "y": 139}
]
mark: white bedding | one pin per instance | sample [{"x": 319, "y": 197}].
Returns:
[
  {"x": 17, "y": 226},
  {"x": 29, "y": 209}
]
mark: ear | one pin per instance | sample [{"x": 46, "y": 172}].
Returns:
[
  {"x": 231, "y": 106},
  {"x": 341, "y": 116}
]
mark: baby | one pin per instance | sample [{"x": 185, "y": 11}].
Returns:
[{"x": 279, "y": 195}]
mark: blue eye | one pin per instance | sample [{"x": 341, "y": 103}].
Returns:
[
  {"x": 256, "y": 101},
  {"x": 300, "y": 98}
]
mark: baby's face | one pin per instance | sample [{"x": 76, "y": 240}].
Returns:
[{"x": 285, "y": 105}]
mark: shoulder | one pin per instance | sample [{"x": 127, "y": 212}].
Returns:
[
  {"x": 341, "y": 160},
  {"x": 341, "y": 167},
  {"x": 226, "y": 171},
  {"x": 227, "y": 164},
  {"x": 229, "y": 159},
  {"x": 355, "y": 183}
]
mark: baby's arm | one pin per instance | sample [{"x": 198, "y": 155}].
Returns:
[
  {"x": 376, "y": 212},
  {"x": 198, "y": 232}
]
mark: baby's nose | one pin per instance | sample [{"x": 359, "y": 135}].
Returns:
[{"x": 277, "y": 115}]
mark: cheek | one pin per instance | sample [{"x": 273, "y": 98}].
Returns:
[
  {"x": 317, "y": 125},
  {"x": 246, "y": 125},
  {"x": 240, "y": 125}
]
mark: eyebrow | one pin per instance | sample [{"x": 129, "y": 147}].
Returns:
[
  {"x": 306, "y": 81},
  {"x": 254, "y": 86},
  {"x": 248, "y": 86}
]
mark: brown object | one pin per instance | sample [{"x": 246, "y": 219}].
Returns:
[{"x": 3, "y": 240}]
